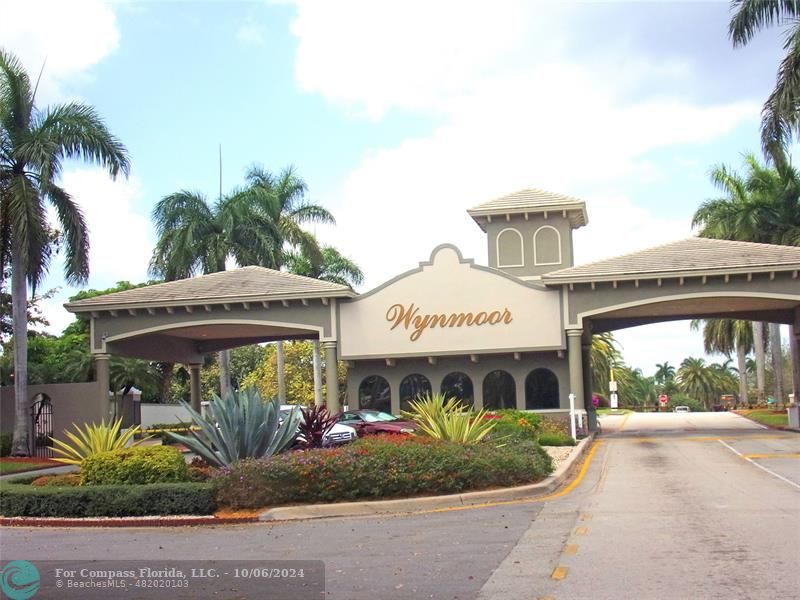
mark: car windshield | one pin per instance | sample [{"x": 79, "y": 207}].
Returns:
[{"x": 374, "y": 416}]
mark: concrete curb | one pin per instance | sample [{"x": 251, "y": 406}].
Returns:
[{"x": 409, "y": 505}]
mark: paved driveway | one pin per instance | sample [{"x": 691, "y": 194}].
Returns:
[{"x": 666, "y": 510}]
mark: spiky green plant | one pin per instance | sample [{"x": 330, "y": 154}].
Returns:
[
  {"x": 93, "y": 439},
  {"x": 446, "y": 418},
  {"x": 238, "y": 425}
]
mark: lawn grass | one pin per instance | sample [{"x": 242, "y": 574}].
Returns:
[
  {"x": 765, "y": 416},
  {"x": 11, "y": 465}
]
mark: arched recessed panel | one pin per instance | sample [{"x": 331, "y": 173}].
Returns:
[
  {"x": 510, "y": 248},
  {"x": 374, "y": 393},
  {"x": 458, "y": 385},
  {"x": 547, "y": 246},
  {"x": 499, "y": 390},
  {"x": 411, "y": 387},
  {"x": 541, "y": 390}
]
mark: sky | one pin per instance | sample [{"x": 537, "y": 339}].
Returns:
[{"x": 401, "y": 115}]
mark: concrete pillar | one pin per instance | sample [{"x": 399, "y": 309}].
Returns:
[
  {"x": 586, "y": 358},
  {"x": 103, "y": 377},
  {"x": 331, "y": 377},
  {"x": 195, "y": 394},
  {"x": 575, "y": 354},
  {"x": 317, "y": 365},
  {"x": 794, "y": 348},
  {"x": 281, "y": 372}
]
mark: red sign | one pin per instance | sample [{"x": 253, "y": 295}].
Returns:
[{"x": 663, "y": 398}]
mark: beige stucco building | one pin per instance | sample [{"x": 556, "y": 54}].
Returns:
[{"x": 513, "y": 333}]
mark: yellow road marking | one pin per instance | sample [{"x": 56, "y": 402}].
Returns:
[
  {"x": 559, "y": 573},
  {"x": 581, "y": 530},
  {"x": 546, "y": 598},
  {"x": 773, "y": 455},
  {"x": 571, "y": 549}
]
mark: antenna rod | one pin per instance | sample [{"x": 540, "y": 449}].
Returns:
[{"x": 220, "y": 172}]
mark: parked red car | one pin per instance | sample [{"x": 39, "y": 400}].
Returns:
[{"x": 367, "y": 422}]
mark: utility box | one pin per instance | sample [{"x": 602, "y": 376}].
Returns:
[{"x": 794, "y": 416}]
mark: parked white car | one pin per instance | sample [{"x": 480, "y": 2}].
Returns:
[
  {"x": 338, "y": 434},
  {"x": 682, "y": 409}
]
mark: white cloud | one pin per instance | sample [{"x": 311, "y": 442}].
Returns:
[
  {"x": 121, "y": 239},
  {"x": 250, "y": 33},
  {"x": 515, "y": 109},
  {"x": 70, "y": 36}
]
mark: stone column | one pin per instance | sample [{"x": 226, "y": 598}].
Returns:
[
  {"x": 794, "y": 348},
  {"x": 331, "y": 377},
  {"x": 194, "y": 385},
  {"x": 317, "y": 365},
  {"x": 281, "y": 358},
  {"x": 575, "y": 354},
  {"x": 102, "y": 375}
]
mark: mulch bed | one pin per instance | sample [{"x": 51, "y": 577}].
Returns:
[{"x": 32, "y": 459}]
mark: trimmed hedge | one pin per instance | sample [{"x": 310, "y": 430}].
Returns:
[
  {"x": 5, "y": 444},
  {"x": 17, "y": 500},
  {"x": 137, "y": 465},
  {"x": 556, "y": 439},
  {"x": 379, "y": 467}
]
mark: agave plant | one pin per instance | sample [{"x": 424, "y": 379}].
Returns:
[
  {"x": 93, "y": 439},
  {"x": 445, "y": 418},
  {"x": 238, "y": 425},
  {"x": 315, "y": 425}
]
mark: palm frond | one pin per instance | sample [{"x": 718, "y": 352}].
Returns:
[
  {"x": 75, "y": 235},
  {"x": 750, "y": 16}
]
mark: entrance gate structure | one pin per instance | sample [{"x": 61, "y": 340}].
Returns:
[{"x": 524, "y": 321}]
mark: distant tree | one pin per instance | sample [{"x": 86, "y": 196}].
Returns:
[
  {"x": 728, "y": 336},
  {"x": 605, "y": 355},
  {"x": 696, "y": 379},
  {"x": 664, "y": 372},
  {"x": 334, "y": 267}
]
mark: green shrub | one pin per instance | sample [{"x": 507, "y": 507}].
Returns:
[
  {"x": 681, "y": 399},
  {"x": 445, "y": 418},
  {"x": 529, "y": 419},
  {"x": 5, "y": 444},
  {"x": 555, "y": 425},
  {"x": 556, "y": 439},
  {"x": 18, "y": 500},
  {"x": 65, "y": 480},
  {"x": 140, "y": 465},
  {"x": 515, "y": 425},
  {"x": 379, "y": 467}
]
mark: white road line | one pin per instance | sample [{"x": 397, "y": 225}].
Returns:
[
  {"x": 750, "y": 421},
  {"x": 762, "y": 467}
]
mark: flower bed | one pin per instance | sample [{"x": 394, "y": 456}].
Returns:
[{"x": 379, "y": 467}]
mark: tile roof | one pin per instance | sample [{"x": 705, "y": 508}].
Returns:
[
  {"x": 531, "y": 200},
  {"x": 243, "y": 284},
  {"x": 692, "y": 256}
]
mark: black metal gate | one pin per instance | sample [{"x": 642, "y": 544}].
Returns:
[{"x": 41, "y": 426}]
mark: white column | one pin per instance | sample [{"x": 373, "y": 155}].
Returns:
[
  {"x": 317, "y": 364},
  {"x": 331, "y": 377}
]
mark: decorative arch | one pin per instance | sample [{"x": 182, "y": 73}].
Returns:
[
  {"x": 499, "y": 390},
  {"x": 374, "y": 393},
  {"x": 547, "y": 246},
  {"x": 510, "y": 248},
  {"x": 541, "y": 390},
  {"x": 459, "y": 386},
  {"x": 412, "y": 386}
]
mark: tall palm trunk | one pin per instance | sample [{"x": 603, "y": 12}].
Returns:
[
  {"x": 794, "y": 347},
  {"x": 19, "y": 316},
  {"x": 281, "y": 371},
  {"x": 224, "y": 372},
  {"x": 777, "y": 360},
  {"x": 758, "y": 344},
  {"x": 776, "y": 345},
  {"x": 317, "y": 364},
  {"x": 741, "y": 364}
]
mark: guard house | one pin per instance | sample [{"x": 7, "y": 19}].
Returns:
[
  {"x": 491, "y": 336},
  {"x": 513, "y": 334}
]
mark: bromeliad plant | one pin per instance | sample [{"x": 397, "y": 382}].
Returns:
[
  {"x": 238, "y": 425},
  {"x": 445, "y": 418},
  {"x": 314, "y": 426},
  {"x": 94, "y": 439}
]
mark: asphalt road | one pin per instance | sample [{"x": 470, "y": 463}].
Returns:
[{"x": 671, "y": 506}]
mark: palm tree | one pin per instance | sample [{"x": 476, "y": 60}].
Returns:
[
  {"x": 195, "y": 236},
  {"x": 762, "y": 206},
  {"x": 664, "y": 372},
  {"x": 33, "y": 144},
  {"x": 727, "y": 336},
  {"x": 779, "y": 117},
  {"x": 697, "y": 380},
  {"x": 290, "y": 211},
  {"x": 604, "y": 356}
]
